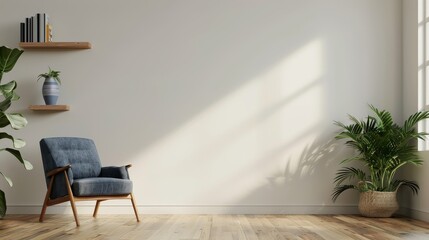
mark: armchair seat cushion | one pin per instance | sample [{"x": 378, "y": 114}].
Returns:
[{"x": 101, "y": 186}]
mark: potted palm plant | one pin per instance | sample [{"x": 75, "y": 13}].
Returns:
[
  {"x": 8, "y": 58},
  {"x": 383, "y": 147}
]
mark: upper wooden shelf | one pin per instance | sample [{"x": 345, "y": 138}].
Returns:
[
  {"x": 49, "y": 107},
  {"x": 55, "y": 45}
]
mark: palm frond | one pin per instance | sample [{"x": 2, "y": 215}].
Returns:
[
  {"x": 370, "y": 124},
  {"x": 384, "y": 118},
  {"x": 340, "y": 189},
  {"x": 348, "y": 173},
  {"x": 410, "y": 184},
  {"x": 355, "y": 120},
  {"x": 414, "y": 119},
  {"x": 420, "y": 135},
  {"x": 350, "y": 159}
]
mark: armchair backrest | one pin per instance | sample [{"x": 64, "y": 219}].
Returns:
[{"x": 80, "y": 153}]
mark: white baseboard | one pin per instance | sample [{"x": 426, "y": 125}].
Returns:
[
  {"x": 416, "y": 214},
  {"x": 189, "y": 209}
]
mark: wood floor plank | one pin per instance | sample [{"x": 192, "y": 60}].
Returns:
[
  {"x": 205, "y": 230},
  {"x": 246, "y": 228},
  {"x": 213, "y": 227},
  {"x": 271, "y": 229},
  {"x": 286, "y": 227}
]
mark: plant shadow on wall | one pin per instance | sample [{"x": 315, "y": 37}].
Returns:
[
  {"x": 313, "y": 167},
  {"x": 305, "y": 177}
]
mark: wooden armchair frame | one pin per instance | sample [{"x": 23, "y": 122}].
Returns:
[{"x": 49, "y": 202}]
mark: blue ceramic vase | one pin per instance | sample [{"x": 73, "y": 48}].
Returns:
[{"x": 50, "y": 91}]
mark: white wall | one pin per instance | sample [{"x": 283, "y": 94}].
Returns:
[{"x": 221, "y": 106}]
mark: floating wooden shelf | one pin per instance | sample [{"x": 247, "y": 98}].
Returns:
[
  {"x": 55, "y": 45},
  {"x": 49, "y": 107}
]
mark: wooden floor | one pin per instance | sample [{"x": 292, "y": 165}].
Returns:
[{"x": 209, "y": 227}]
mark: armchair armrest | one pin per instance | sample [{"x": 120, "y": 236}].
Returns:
[
  {"x": 115, "y": 172},
  {"x": 57, "y": 170}
]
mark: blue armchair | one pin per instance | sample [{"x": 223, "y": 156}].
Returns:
[{"x": 74, "y": 173}]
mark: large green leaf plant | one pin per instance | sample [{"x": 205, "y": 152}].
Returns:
[
  {"x": 8, "y": 58},
  {"x": 383, "y": 147}
]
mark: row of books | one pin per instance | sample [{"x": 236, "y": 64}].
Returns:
[{"x": 36, "y": 29}]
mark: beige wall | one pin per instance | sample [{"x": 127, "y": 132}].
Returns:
[{"x": 221, "y": 106}]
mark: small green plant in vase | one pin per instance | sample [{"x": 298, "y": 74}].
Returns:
[{"x": 51, "y": 88}]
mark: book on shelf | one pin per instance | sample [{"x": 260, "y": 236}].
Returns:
[
  {"x": 36, "y": 28},
  {"x": 27, "y": 29},
  {"x": 22, "y": 32},
  {"x": 43, "y": 28},
  {"x": 31, "y": 28},
  {"x": 38, "y": 20}
]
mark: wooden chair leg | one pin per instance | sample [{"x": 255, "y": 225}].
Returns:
[
  {"x": 134, "y": 207},
  {"x": 72, "y": 203},
  {"x": 96, "y": 208},
  {"x": 45, "y": 203}
]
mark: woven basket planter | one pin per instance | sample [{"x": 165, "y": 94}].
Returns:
[{"x": 378, "y": 204}]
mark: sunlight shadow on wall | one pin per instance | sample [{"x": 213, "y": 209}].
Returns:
[{"x": 271, "y": 110}]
